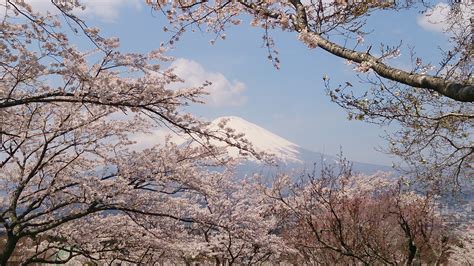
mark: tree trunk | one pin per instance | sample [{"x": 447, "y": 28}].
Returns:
[
  {"x": 8, "y": 249},
  {"x": 411, "y": 252}
]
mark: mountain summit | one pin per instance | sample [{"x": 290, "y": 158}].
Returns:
[{"x": 262, "y": 139}]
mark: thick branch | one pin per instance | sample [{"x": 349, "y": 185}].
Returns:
[{"x": 456, "y": 91}]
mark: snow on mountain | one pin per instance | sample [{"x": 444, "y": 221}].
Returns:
[{"x": 262, "y": 139}]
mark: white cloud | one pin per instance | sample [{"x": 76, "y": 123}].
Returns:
[
  {"x": 109, "y": 10},
  {"x": 106, "y": 10},
  {"x": 222, "y": 91},
  {"x": 155, "y": 137},
  {"x": 435, "y": 19},
  {"x": 440, "y": 17}
]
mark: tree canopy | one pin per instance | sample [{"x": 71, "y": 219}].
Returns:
[{"x": 75, "y": 189}]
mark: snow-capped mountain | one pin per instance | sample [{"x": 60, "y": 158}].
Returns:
[
  {"x": 288, "y": 154},
  {"x": 263, "y": 140}
]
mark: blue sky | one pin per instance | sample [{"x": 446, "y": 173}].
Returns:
[{"x": 291, "y": 102}]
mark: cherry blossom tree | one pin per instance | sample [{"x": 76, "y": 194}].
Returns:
[
  {"x": 431, "y": 105},
  {"x": 71, "y": 181},
  {"x": 341, "y": 218},
  {"x": 461, "y": 252},
  {"x": 224, "y": 224}
]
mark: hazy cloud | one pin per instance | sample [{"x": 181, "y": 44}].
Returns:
[
  {"x": 437, "y": 18},
  {"x": 223, "y": 92},
  {"x": 106, "y": 10}
]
